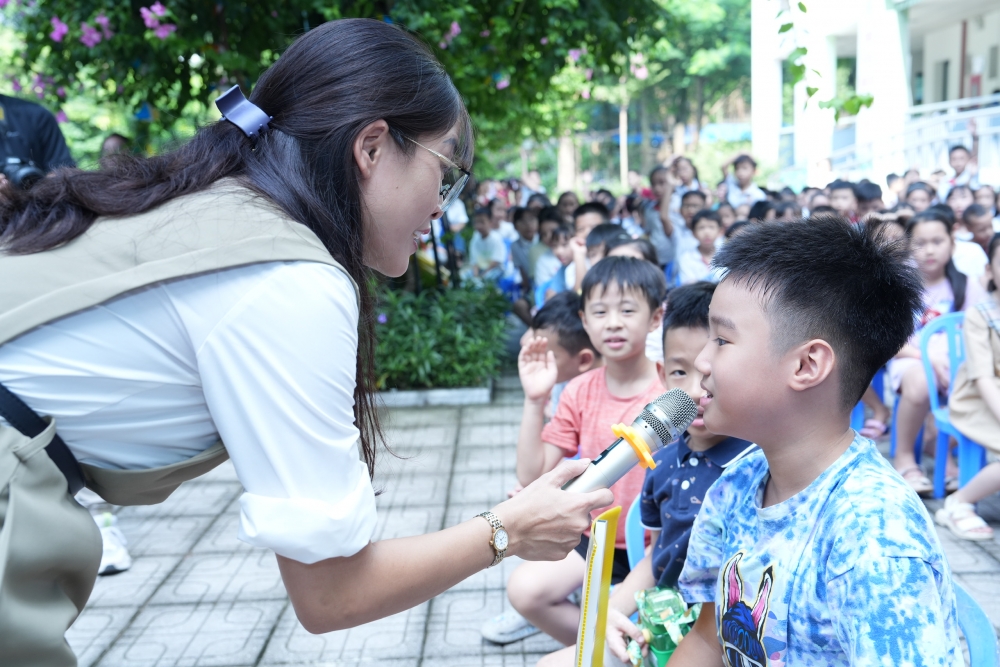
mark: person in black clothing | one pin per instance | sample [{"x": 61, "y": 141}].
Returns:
[{"x": 32, "y": 133}]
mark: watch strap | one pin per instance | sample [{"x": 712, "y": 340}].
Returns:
[{"x": 496, "y": 525}]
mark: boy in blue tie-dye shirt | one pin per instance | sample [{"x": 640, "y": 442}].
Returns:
[{"x": 811, "y": 551}]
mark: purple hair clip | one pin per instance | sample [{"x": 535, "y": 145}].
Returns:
[{"x": 242, "y": 113}]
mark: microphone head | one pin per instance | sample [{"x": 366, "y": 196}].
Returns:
[{"x": 670, "y": 414}]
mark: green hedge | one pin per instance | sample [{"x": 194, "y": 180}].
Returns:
[{"x": 446, "y": 338}]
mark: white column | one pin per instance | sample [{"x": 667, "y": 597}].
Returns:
[
  {"x": 814, "y": 126},
  {"x": 765, "y": 82},
  {"x": 883, "y": 50}
]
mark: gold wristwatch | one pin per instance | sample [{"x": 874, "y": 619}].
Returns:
[{"x": 500, "y": 540}]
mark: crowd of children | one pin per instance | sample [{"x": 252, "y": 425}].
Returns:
[{"x": 817, "y": 291}]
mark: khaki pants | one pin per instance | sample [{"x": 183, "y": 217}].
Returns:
[{"x": 50, "y": 549}]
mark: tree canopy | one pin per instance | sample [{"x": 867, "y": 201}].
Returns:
[{"x": 525, "y": 69}]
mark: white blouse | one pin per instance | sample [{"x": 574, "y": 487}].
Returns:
[{"x": 263, "y": 356}]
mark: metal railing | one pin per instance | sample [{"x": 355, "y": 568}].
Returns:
[{"x": 928, "y": 134}]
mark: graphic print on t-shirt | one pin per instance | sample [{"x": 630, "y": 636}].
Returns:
[{"x": 741, "y": 627}]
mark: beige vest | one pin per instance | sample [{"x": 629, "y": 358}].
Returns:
[{"x": 222, "y": 227}]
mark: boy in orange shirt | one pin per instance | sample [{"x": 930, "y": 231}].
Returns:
[{"x": 621, "y": 299}]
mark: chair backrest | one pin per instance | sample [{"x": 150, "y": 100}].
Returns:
[
  {"x": 978, "y": 630},
  {"x": 635, "y": 534},
  {"x": 951, "y": 326}
]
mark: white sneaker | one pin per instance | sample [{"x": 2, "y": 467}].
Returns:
[
  {"x": 508, "y": 627},
  {"x": 115, "y": 557}
]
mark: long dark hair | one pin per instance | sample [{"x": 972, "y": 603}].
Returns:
[
  {"x": 323, "y": 90},
  {"x": 955, "y": 278}
]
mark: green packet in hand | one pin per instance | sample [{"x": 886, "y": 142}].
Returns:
[{"x": 664, "y": 618}]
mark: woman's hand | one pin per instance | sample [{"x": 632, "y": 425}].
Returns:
[
  {"x": 620, "y": 630},
  {"x": 536, "y": 366},
  {"x": 543, "y": 521}
]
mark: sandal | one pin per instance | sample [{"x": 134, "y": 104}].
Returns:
[
  {"x": 961, "y": 519},
  {"x": 874, "y": 429},
  {"x": 917, "y": 480}
]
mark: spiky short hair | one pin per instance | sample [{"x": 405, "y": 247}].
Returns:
[
  {"x": 687, "y": 306},
  {"x": 826, "y": 278},
  {"x": 561, "y": 313}
]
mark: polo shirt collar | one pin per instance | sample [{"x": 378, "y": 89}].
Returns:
[{"x": 723, "y": 454}]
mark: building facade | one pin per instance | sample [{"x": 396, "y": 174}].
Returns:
[{"x": 930, "y": 66}]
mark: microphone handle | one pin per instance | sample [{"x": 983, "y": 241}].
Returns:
[{"x": 606, "y": 469}]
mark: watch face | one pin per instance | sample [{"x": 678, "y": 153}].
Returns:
[{"x": 500, "y": 539}]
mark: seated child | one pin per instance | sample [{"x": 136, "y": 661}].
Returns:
[
  {"x": 844, "y": 199},
  {"x": 979, "y": 223},
  {"x": 945, "y": 290},
  {"x": 487, "y": 250},
  {"x": 696, "y": 263},
  {"x": 812, "y": 550},
  {"x": 599, "y": 238},
  {"x": 974, "y": 406},
  {"x": 673, "y": 491},
  {"x": 550, "y": 270},
  {"x": 622, "y": 300},
  {"x": 549, "y": 219},
  {"x": 585, "y": 219},
  {"x": 526, "y": 224},
  {"x": 640, "y": 248},
  {"x": 683, "y": 238}
]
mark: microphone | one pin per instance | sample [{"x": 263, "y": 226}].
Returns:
[{"x": 660, "y": 423}]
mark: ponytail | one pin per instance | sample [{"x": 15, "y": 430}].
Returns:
[{"x": 958, "y": 282}]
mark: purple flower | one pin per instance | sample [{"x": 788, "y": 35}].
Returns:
[
  {"x": 149, "y": 18},
  {"x": 382, "y": 319},
  {"x": 16, "y": 85},
  {"x": 61, "y": 117},
  {"x": 589, "y": 73},
  {"x": 585, "y": 93},
  {"x": 544, "y": 41},
  {"x": 60, "y": 91},
  {"x": 102, "y": 21},
  {"x": 503, "y": 83},
  {"x": 455, "y": 31},
  {"x": 574, "y": 54},
  {"x": 484, "y": 33},
  {"x": 90, "y": 36},
  {"x": 165, "y": 30},
  {"x": 3, "y": 3},
  {"x": 442, "y": 45},
  {"x": 59, "y": 29},
  {"x": 158, "y": 8}
]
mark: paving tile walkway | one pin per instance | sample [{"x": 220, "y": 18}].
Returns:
[{"x": 196, "y": 596}]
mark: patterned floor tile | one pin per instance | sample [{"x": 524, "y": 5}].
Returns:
[
  {"x": 453, "y": 627},
  {"x": 209, "y": 635},
  {"x": 136, "y": 585},
  {"x": 95, "y": 630},
  {"x": 398, "y": 636},
  {"x": 163, "y": 536},
  {"x": 240, "y": 576}
]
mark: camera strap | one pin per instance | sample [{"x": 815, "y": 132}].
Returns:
[{"x": 24, "y": 419}]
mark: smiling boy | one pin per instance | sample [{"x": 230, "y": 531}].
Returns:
[
  {"x": 813, "y": 550},
  {"x": 621, "y": 301}
]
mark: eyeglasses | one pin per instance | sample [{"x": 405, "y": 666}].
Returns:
[{"x": 453, "y": 179}]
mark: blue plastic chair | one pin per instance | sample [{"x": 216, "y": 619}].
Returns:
[
  {"x": 858, "y": 414},
  {"x": 971, "y": 456},
  {"x": 635, "y": 534},
  {"x": 978, "y": 630}
]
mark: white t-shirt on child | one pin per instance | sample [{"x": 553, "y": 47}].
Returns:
[
  {"x": 693, "y": 268},
  {"x": 484, "y": 251}
]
